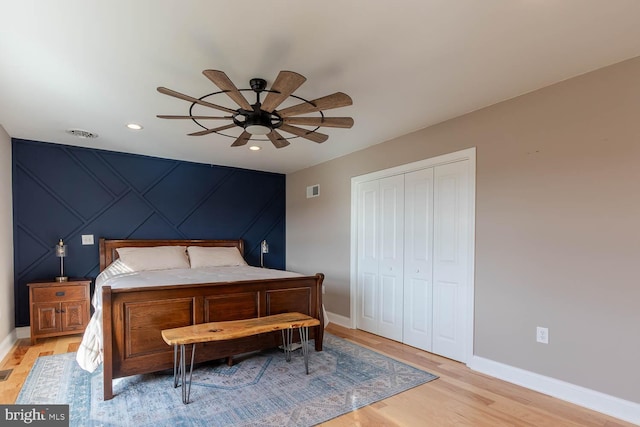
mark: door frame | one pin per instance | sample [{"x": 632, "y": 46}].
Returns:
[{"x": 466, "y": 154}]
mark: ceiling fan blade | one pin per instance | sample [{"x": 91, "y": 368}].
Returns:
[
  {"x": 278, "y": 140},
  {"x": 303, "y": 133},
  {"x": 242, "y": 139},
  {"x": 286, "y": 83},
  {"x": 328, "y": 102},
  {"x": 208, "y": 131},
  {"x": 179, "y": 95},
  {"x": 332, "y": 122},
  {"x": 221, "y": 80},
  {"x": 163, "y": 116}
]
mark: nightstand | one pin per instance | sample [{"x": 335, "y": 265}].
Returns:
[{"x": 58, "y": 308}]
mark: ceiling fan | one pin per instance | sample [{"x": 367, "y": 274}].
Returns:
[{"x": 262, "y": 117}]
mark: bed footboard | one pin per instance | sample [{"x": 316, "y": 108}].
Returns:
[{"x": 134, "y": 318}]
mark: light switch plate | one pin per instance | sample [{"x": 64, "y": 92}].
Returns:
[{"x": 87, "y": 239}]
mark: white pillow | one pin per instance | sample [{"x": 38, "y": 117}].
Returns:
[
  {"x": 202, "y": 256},
  {"x": 154, "y": 257}
]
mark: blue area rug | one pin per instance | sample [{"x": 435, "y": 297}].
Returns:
[{"x": 261, "y": 390}]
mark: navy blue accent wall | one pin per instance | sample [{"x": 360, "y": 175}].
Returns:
[{"x": 64, "y": 192}]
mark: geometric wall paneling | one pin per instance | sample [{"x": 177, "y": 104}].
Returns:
[
  {"x": 40, "y": 211},
  {"x": 119, "y": 195},
  {"x": 62, "y": 176},
  {"x": 232, "y": 205},
  {"x": 274, "y": 224},
  {"x": 169, "y": 197},
  {"x": 153, "y": 227},
  {"x": 101, "y": 170},
  {"x": 138, "y": 171},
  {"x": 120, "y": 218},
  {"x": 27, "y": 250}
]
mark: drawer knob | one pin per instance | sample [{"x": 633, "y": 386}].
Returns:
[{"x": 60, "y": 294}]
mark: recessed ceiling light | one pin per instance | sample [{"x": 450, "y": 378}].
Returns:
[
  {"x": 134, "y": 126},
  {"x": 254, "y": 148}
]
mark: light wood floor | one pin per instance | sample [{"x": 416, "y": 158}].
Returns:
[{"x": 460, "y": 397}]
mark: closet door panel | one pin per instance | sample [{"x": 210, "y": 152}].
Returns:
[
  {"x": 391, "y": 249},
  {"x": 367, "y": 277},
  {"x": 418, "y": 271},
  {"x": 369, "y": 300},
  {"x": 390, "y": 325},
  {"x": 445, "y": 318},
  {"x": 450, "y": 260}
]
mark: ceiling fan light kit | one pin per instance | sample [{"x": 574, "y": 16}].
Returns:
[{"x": 262, "y": 118}]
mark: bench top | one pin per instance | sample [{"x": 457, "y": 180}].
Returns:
[{"x": 232, "y": 329}]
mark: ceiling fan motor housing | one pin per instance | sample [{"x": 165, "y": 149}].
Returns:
[{"x": 257, "y": 121}]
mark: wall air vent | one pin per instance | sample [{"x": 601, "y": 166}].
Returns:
[
  {"x": 82, "y": 133},
  {"x": 313, "y": 191}
]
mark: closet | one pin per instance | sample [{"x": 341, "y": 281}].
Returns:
[{"x": 414, "y": 254}]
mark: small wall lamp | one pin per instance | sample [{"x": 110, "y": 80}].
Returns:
[
  {"x": 61, "y": 252},
  {"x": 264, "y": 249}
]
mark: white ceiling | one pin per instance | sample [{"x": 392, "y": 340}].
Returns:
[{"x": 407, "y": 64}]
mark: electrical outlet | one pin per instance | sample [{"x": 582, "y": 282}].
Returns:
[
  {"x": 87, "y": 239},
  {"x": 542, "y": 335},
  {"x": 322, "y": 289}
]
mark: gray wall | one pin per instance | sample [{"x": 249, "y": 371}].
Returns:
[
  {"x": 7, "y": 323},
  {"x": 557, "y": 225}
]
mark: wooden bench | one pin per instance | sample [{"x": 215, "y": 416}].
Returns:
[{"x": 223, "y": 331}]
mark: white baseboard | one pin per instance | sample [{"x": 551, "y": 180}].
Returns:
[
  {"x": 7, "y": 344},
  {"x": 600, "y": 402},
  {"x": 23, "y": 332},
  {"x": 339, "y": 320}
]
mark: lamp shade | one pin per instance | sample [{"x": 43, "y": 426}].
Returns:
[{"x": 61, "y": 249}]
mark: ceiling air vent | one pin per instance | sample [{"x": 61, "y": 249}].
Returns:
[{"x": 82, "y": 133}]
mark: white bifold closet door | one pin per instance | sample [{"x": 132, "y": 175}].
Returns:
[
  {"x": 380, "y": 257},
  {"x": 413, "y": 260},
  {"x": 418, "y": 261},
  {"x": 451, "y": 261}
]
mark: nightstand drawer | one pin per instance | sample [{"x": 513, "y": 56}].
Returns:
[{"x": 59, "y": 293}]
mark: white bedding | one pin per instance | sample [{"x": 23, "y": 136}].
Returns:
[{"x": 119, "y": 276}]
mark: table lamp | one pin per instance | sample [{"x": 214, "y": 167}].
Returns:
[
  {"x": 61, "y": 252},
  {"x": 264, "y": 249}
]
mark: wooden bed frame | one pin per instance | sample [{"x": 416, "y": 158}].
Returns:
[{"x": 134, "y": 318}]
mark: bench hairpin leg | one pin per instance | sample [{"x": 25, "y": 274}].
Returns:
[
  {"x": 287, "y": 335},
  {"x": 193, "y": 354},
  {"x": 186, "y": 386},
  {"x": 304, "y": 340},
  {"x": 182, "y": 373},
  {"x": 176, "y": 371}
]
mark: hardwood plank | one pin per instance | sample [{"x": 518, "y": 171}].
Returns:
[
  {"x": 460, "y": 397},
  {"x": 463, "y": 397}
]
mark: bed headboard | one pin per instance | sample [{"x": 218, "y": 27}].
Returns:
[{"x": 108, "y": 247}]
